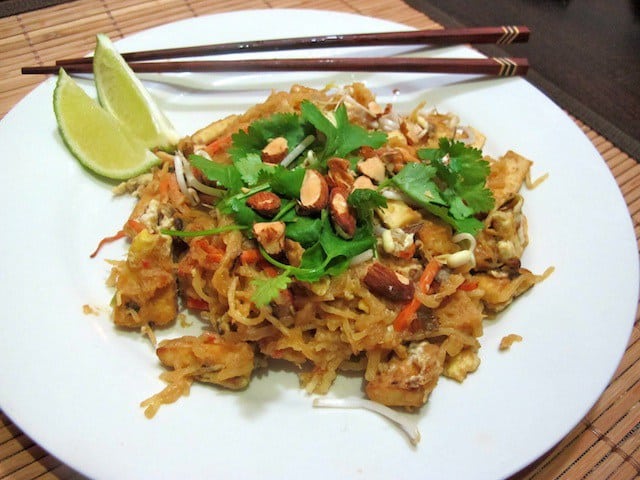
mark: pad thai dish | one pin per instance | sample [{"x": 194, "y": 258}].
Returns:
[{"x": 326, "y": 230}]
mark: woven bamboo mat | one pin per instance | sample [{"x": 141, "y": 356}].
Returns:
[{"x": 605, "y": 444}]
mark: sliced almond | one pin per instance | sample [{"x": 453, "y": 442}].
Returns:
[
  {"x": 314, "y": 192},
  {"x": 339, "y": 173},
  {"x": 294, "y": 252},
  {"x": 367, "y": 151},
  {"x": 413, "y": 132},
  {"x": 384, "y": 282},
  {"x": 275, "y": 150},
  {"x": 375, "y": 109},
  {"x": 343, "y": 218},
  {"x": 363, "y": 182},
  {"x": 266, "y": 204},
  {"x": 373, "y": 168},
  {"x": 270, "y": 235}
]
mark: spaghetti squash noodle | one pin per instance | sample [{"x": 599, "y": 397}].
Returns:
[{"x": 329, "y": 231}]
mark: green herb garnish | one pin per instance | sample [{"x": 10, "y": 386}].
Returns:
[
  {"x": 451, "y": 185},
  {"x": 343, "y": 137}
]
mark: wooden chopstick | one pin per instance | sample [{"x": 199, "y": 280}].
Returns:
[
  {"x": 499, "y": 35},
  {"x": 499, "y": 66}
]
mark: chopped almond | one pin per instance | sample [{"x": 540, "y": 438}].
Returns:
[
  {"x": 314, "y": 192},
  {"x": 294, "y": 252},
  {"x": 363, "y": 182},
  {"x": 373, "y": 168},
  {"x": 339, "y": 173},
  {"x": 266, "y": 204},
  {"x": 270, "y": 235},
  {"x": 384, "y": 282},
  {"x": 343, "y": 218},
  {"x": 275, "y": 150}
]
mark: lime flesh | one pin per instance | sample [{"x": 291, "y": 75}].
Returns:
[
  {"x": 122, "y": 93},
  {"x": 95, "y": 137}
]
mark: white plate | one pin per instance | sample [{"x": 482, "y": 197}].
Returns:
[{"x": 73, "y": 382}]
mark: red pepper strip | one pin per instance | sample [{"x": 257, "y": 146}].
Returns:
[
  {"x": 407, "y": 314},
  {"x": 105, "y": 240}
]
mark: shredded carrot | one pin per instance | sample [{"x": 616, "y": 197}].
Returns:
[
  {"x": 213, "y": 254},
  {"x": 468, "y": 286},
  {"x": 408, "y": 253},
  {"x": 105, "y": 240},
  {"x": 130, "y": 229},
  {"x": 250, "y": 256},
  {"x": 270, "y": 271},
  {"x": 197, "y": 304},
  {"x": 218, "y": 145},
  {"x": 407, "y": 314},
  {"x": 429, "y": 273},
  {"x": 163, "y": 188},
  {"x": 134, "y": 225}
]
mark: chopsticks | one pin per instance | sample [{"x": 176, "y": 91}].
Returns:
[
  {"x": 499, "y": 35},
  {"x": 499, "y": 66}
]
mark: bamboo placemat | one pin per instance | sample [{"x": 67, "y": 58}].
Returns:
[{"x": 605, "y": 444}]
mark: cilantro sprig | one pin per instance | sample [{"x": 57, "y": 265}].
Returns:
[
  {"x": 343, "y": 137},
  {"x": 260, "y": 132},
  {"x": 451, "y": 184},
  {"x": 330, "y": 255}
]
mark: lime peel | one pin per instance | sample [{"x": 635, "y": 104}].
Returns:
[
  {"x": 122, "y": 93},
  {"x": 96, "y": 138}
]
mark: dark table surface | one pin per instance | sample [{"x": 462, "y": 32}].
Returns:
[{"x": 584, "y": 54}]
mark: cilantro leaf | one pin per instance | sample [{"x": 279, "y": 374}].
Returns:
[
  {"x": 451, "y": 184},
  {"x": 286, "y": 182},
  {"x": 237, "y": 207},
  {"x": 352, "y": 137},
  {"x": 304, "y": 230},
  {"x": 339, "y": 251},
  {"x": 465, "y": 173},
  {"x": 343, "y": 137},
  {"x": 251, "y": 168},
  {"x": 364, "y": 202},
  {"x": 332, "y": 254},
  {"x": 417, "y": 181},
  {"x": 268, "y": 289},
  {"x": 226, "y": 175},
  {"x": 314, "y": 115},
  {"x": 262, "y": 131}
]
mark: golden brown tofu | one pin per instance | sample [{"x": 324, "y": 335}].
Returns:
[
  {"x": 435, "y": 238},
  {"x": 499, "y": 291},
  {"x": 507, "y": 176},
  {"x": 213, "y": 359},
  {"x": 407, "y": 382},
  {"x": 461, "y": 313},
  {"x": 458, "y": 367},
  {"x": 145, "y": 284}
]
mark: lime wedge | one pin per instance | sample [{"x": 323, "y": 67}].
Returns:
[
  {"x": 122, "y": 93},
  {"x": 95, "y": 137}
]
